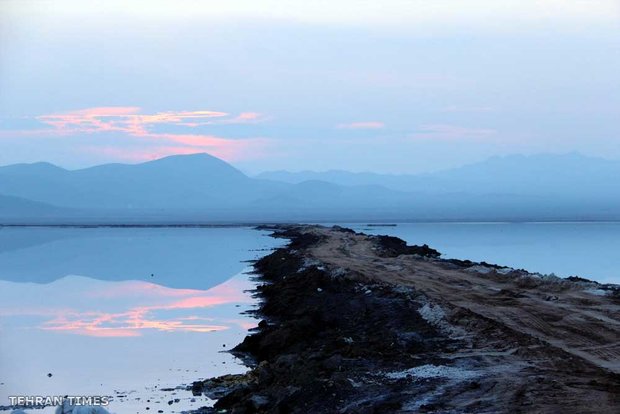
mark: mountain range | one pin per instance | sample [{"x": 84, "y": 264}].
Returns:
[
  {"x": 203, "y": 188},
  {"x": 545, "y": 174}
]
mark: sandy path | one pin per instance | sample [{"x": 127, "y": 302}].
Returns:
[
  {"x": 359, "y": 324},
  {"x": 573, "y": 332}
]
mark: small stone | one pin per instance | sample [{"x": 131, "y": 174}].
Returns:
[{"x": 259, "y": 401}]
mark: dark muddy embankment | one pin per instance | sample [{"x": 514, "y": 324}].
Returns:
[
  {"x": 351, "y": 333},
  {"x": 321, "y": 336}
]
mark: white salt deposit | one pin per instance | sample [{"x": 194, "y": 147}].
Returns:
[
  {"x": 432, "y": 314},
  {"x": 479, "y": 269},
  {"x": 74, "y": 409},
  {"x": 434, "y": 371},
  {"x": 505, "y": 270}
]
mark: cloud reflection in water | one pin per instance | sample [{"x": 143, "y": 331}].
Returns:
[{"x": 123, "y": 309}]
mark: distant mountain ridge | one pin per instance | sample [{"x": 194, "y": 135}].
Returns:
[
  {"x": 16, "y": 207},
  {"x": 171, "y": 182},
  {"x": 515, "y": 174},
  {"x": 201, "y": 187}
]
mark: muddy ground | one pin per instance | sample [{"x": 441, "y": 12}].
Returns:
[{"x": 366, "y": 324}]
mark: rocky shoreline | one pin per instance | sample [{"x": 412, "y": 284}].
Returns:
[{"x": 366, "y": 324}]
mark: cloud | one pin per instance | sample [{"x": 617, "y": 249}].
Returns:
[
  {"x": 362, "y": 125},
  {"x": 451, "y": 132},
  {"x": 147, "y": 144},
  {"x": 101, "y": 119},
  {"x": 246, "y": 118},
  {"x": 129, "y": 119},
  {"x": 133, "y": 308}
]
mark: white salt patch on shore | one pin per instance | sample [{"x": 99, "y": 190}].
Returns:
[
  {"x": 505, "y": 270},
  {"x": 76, "y": 409},
  {"x": 308, "y": 263},
  {"x": 436, "y": 316},
  {"x": 432, "y": 314},
  {"x": 434, "y": 371},
  {"x": 337, "y": 272},
  {"x": 479, "y": 269},
  {"x": 596, "y": 292}
]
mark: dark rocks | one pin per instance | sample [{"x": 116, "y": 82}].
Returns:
[
  {"x": 321, "y": 337},
  {"x": 218, "y": 387},
  {"x": 393, "y": 246},
  {"x": 333, "y": 363},
  {"x": 580, "y": 279},
  {"x": 197, "y": 387},
  {"x": 258, "y": 402},
  {"x": 343, "y": 229},
  {"x": 468, "y": 263}
]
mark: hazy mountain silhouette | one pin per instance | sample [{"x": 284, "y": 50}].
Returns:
[
  {"x": 191, "y": 181},
  {"x": 569, "y": 175},
  {"x": 17, "y": 207},
  {"x": 201, "y": 187}
]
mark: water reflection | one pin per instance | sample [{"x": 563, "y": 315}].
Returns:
[
  {"x": 86, "y": 306},
  {"x": 196, "y": 258},
  {"x": 121, "y": 336}
]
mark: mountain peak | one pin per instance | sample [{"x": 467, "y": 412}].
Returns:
[
  {"x": 193, "y": 163},
  {"x": 194, "y": 156},
  {"x": 40, "y": 167}
]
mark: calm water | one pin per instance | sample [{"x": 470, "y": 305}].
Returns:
[
  {"x": 589, "y": 250},
  {"x": 127, "y": 312},
  {"x": 122, "y": 312}
]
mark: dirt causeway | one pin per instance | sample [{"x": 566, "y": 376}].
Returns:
[{"x": 366, "y": 324}]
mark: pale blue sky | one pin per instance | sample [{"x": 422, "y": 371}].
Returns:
[{"x": 389, "y": 86}]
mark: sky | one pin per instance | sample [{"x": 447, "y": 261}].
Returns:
[{"x": 388, "y": 86}]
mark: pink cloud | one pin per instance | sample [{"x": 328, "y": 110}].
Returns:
[
  {"x": 136, "y": 125},
  {"x": 139, "y": 318},
  {"x": 129, "y": 119},
  {"x": 249, "y": 116},
  {"x": 362, "y": 125},
  {"x": 100, "y": 119},
  {"x": 246, "y": 118},
  {"x": 130, "y": 325},
  {"x": 124, "y": 309}
]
